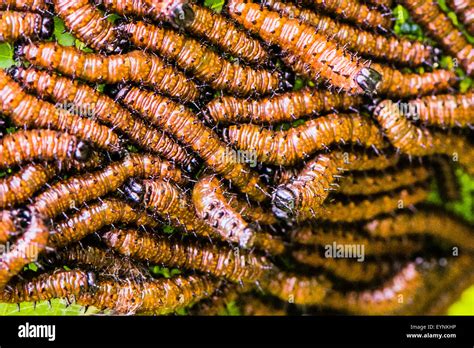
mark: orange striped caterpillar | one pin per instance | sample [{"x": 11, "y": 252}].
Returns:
[
  {"x": 426, "y": 221},
  {"x": 323, "y": 234},
  {"x": 202, "y": 62},
  {"x": 285, "y": 107},
  {"x": 59, "y": 284},
  {"x": 161, "y": 296},
  {"x": 212, "y": 206},
  {"x": 417, "y": 141},
  {"x": 446, "y": 179},
  {"x": 217, "y": 303},
  {"x": 64, "y": 91},
  {"x": 323, "y": 57},
  {"x": 135, "y": 66},
  {"x": 22, "y": 146},
  {"x": 348, "y": 269},
  {"x": 26, "y": 248},
  {"x": 9, "y": 224},
  {"x": 383, "y": 182},
  {"x": 385, "y": 4},
  {"x": 354, "y": 11},
  {"x": 395, "y": 83},
  {"x": 389, "y": 48},
  {"x": 89, "y": 25},
  {"x": 25, "y": 110},
  {"x": 20, "y": 25},
  {"x": 189, "y": 129},
  {"x": 93, "y": 217},
  {"x": 465, "y": 11},
  {"x": 307, "y": 191},
  {"x": 236, "y": 266},
  {"x": 25, "y": 5},
  {"x": 440, "y": 27},
  {"x": 78, "y": 189},
  {"x": 250, "y": 212}
]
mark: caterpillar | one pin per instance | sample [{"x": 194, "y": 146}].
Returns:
[
  {"x": 395, "y": 83},
  {"x": 465, "y": 13},
  {"x": 439, "y": 26},
  {"x": 417, "y": 141},
  {"x": 383, "y": 182},
  {"x": 161, "y": 296},
  {"x": 26, "y": 248},
  {"x": 310, "y": 188},
  {"x": 135, "y": 66},
  {"x": 212, "y": 206},
  {"x": 58, "y": 284},
  {"x": 236, "y": 266},
  {"x": 82, "y": 188},
  {"x": 366, "y": 43},
  {"x": 348, "y": 269},
  {"x": 323, "y": 234},
  {"x": 25, "y": 110},
  {"x": 425, "y": 221},
  {"x": 88, "y": 24},
  {"x": 445, "y": 110},
  {"x": 7, "y": 225},
  {"x": 39, "y": 6},
  {"x": 255, "y": 306},
  {"x": 64, "y": 91},
  {"x": 31, "y": 145},
  {"x": 250, "y": 212},
  {"x": 202, "y": 62},
  {"x": 92, "y": 218},
  {"x": 446, "y": 179},
  {"x": 188, "y": 128},
  {"x": 385, "y": 4},
  {"x": 98, "y": 260},
  {"x": 292, "y": 288},
  {"x": 24, "y": 25},
  {"x": 285, "y": 107},
  {"x": 356, "y": 12},
  {"x": 217, "y": 303},
  {"x": 288, "y": 147},
  {"x": 323, "y": 57}
]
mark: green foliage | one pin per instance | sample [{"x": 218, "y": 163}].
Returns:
[
  {"x": 215, "y": 5},
  {"x": 61, "y": 35},
  {"x": 57, "y": 307},
  {"x": 6, "y": 56},
  {"x": 164, "y": 271}
]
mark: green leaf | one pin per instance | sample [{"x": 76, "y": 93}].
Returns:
[
  {"x": 233, "y": 309},
  {"x": 58, "y": 307},
  {"x": 82, "y": 46},
  {"x": 215, "y": 5},
  {"x": 61, "y": 35},
  {"x": 299, "y": 83},
  {"x": 168, "y": 229},
  {"x": 465, "y": 85},
  {"x": 113, "y": 17},
  {"x": 6, "y": 55}
]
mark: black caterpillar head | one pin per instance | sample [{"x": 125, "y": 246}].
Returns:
[
  {"x": 182, "y": 16},
  {"x": 135, "y": 190},
  {"x": 47, "y": 28},
  {"x": 369, "y": 80}
]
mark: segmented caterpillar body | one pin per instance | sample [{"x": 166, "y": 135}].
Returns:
[
  {"x": 24, "y": 5},
  {"x": 7, "y": 225},
  {"x": 251, "y": 212},
  {"x": 390, "y": 48},
  {"x": 186, "y": 126},
  {"x": 88, "y": 24},
  {"x": 236, "y": 266},
  {"x": 92, "y": 218},
  {"x": 24, "y": 25},
  {"x": 285, "y": 107},
  {"x": 446, "y": 178},
  {"x": 64, "y": 91},
  {"x": 135, "y": 66},
  {"x": 254, "y": 306},
  {"x": 465, "y": 11},
  {"x": 201, "y": 61},
  {"x": 323, "y": 57}
]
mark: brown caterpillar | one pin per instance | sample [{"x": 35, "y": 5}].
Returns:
[
  {"x": 186, "y": 126},
  {"x": 285, "y": 107},
  {"x": 323, "y": 57},
  {"x": 76, "y": 190},
  {"x": 24, "y": 25},
  {"x": 255, "y": 306},
  {"x": 306, "y": 192},
  {"x": 234, "y": 265},
  {"x": 465, "y": 12},
  {"x": 65, "y": 91},
  {"x": 288, "y": 147},
  {"x": 212, "y": 206},
  {"x": 59, "y": 284},
  {"x": 92, "y": 218},
  {"x": 381, "y": 3},
  {"x": 217, "y": 303},
  {"x": 348, "y": 269},
  {"x": 25, "y": 110},
  {"x": 135, "y": 66},
  {"x": 7, "y": 225},
  {"x": 445, "y": 110},
  {"x": 446, "y": 178},
  {"x": 89, "y": 25},
  {"x": 24, "y": 5},
  {"x": 251, "y": 212},
  {"x": 440, "y": 27},
  {"x": 395, "y": 83},
  {"x": 99, "y": 260},
  {"x": 26, "y": 248},
  {"x": 417, "y": 141},
  {"x": 383, "y": 182},
  {"x": 366, "y": 43},
  {"x": 161, "y": 296},
  {"x": 202, "y": 62},
  {"x": 426, "y": 221},
  {"x": 322, "y": 234}
]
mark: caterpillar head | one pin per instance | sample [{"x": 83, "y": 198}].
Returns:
[
  {"x": 22, "y": 218},
  {"x": 182, "y": 15},
  {"x": 283, "y": 202},
  {"x": 135, "y": 190},
  {"x": 47, "y": 28},
  {"x": 82, "y": 151},
  {"x": 117, "y": 92},
  {"x": 369, "y": 80}
]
